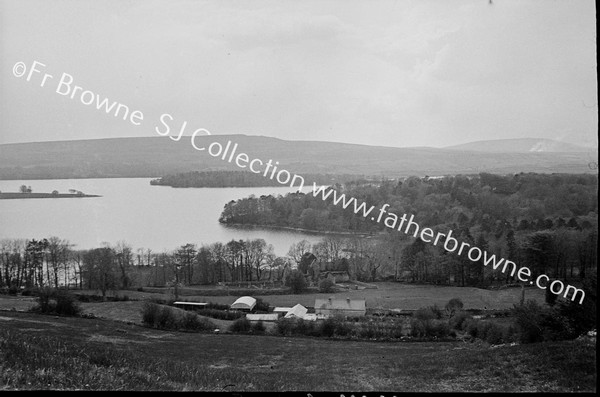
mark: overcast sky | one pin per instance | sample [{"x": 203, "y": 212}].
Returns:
[{"x": 391, "y": 73}]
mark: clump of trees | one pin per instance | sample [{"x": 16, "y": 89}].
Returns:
[{"x": 165, "y": 317}]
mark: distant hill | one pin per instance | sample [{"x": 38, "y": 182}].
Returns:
[
  {"x": 158, "y": 156},
  {"x": 522, "y": 145}
]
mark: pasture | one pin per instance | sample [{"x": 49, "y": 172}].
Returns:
[
  {"x": 387, "y": 295},
  {"x": 58, "y": 353}
]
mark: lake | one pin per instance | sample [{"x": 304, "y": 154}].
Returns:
[{"x": 130, "y": 209}]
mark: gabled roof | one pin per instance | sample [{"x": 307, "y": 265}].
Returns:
[
  {"x": 340, "y": 304},
  {"x": 297, "y": 311},
  {"x": 245, "y": 302}
]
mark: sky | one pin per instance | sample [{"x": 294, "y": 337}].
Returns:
[{"x": 388, "y": 73}]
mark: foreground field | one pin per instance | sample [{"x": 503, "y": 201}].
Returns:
[{"x": 46, "y": 352}]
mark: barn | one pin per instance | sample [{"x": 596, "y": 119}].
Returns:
[
  {"x": 343, "y": 307},
  {"x": 244, "y": 303},
  {"x": 262, "y": 317},
  {"x": 297, "y": 311}
]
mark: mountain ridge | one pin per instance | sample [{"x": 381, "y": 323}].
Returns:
[{"x": 157, "y": 156}]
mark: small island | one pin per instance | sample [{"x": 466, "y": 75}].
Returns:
[{"x": 25, "y": 192}]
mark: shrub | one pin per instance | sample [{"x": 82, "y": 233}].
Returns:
[
  {"x": 258, "y": 327},
  {"x": 424, "y": 314},
  {"x": 296, "y": 281},
  {"x": 453, "y": 305},
  {"x": 192, "y": 322},
  {"x": 216, "y": 306},
  {"x": 221, "y": 314},
  {"x": 438, "y": 329},
  {"x": 261, "y": 306},
  {"x": 302, "y": 327},
  {"x": 240, "y": 325},
  {"x": 417, "y": 327},
  {"x": 437, "y": 312},
  {"x": 328, "y": 326},
  {"x": 66, "y": 304},
  {"x": 494, "y": 334},
  {"x": 470, "y": 326},
  {"x": 550, "y": 297},
  {"x": 54, "y": 301},
  {"x": 28, "y": 292},
  {"x": 150, "y": 313},
  {"x": 284, "y": 326},
  {"x": 326, "y": 285},
  {"x": 457, "y": 321},
  {"x": 166, "y": 318},
  {"x": 12, "y": 290}
]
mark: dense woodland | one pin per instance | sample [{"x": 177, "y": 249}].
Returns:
[
  {"x": 242, "y": 179},
  {"x": 545, "y": 222},
  {"x": 548, "y": 222}
]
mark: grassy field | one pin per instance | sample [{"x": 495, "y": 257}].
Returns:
[
  {"x": 387, "y": 295},
  {"x": 48, "y": 352}
]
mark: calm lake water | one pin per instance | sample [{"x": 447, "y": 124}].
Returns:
[{"x": 145, "y": 216}]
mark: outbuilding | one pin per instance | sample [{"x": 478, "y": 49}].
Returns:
[
  {"x": 244, "y": 303},
  {"x": 297, "y": 311}
]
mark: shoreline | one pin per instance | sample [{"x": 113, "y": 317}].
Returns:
[
  {"x": 16, "y": 196},
  {"x": 296, "y": 229}
]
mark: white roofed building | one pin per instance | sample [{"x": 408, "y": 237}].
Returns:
[
  {"x": 297, "y": 311},
  {"x": 244, "y": 303}
]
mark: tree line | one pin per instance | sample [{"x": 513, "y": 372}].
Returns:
[{"x": 241, "y": 179}]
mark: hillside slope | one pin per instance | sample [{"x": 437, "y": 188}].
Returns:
[{"x": 157, "y": 156}]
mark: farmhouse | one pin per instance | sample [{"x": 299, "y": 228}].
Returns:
[
  {"x": 344, "y": 307},
  {"x": 244, "y": 303}
]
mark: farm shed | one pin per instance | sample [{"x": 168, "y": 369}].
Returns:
[
  {"x": 344, "y": 307},
  {"x": 297, "y": 311},
  {"x": 262, "y": 317},
  {"x": 244, "y": 303},
  {"x": 282, "y": 310}
]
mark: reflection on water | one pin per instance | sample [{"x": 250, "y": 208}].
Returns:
[{"x": 130, "y": 209}]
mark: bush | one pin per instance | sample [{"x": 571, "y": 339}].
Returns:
[
  {"x": 13, "y": 290},
  {"x": 221, "y": 314},
  {"x": 28, "y": 292},
  {"x": 457, "y": 321},
  {"x": 328, "y": 327},
  {"x": 296, "y": 281},
  {"x": 470, "y": 326},
  {"x": 424, "y": 314},
  {"x": 192, "y": 322},
  {"x": 165, "y": 317},
  {"x": 453, "y": 305},
  {"x": 285, "y": 326},
  {"x": 52, "y": 301},
  {"x": 240, "y": 325},
  {"x": 258, "y": 327},
  {"x": 150, "y": 313},
  {"x": 326, "y": 285},
  {"x": 261, "y": 306},
  {"x": 494, "y": 334},
  {"x": 66, "y": 304}
]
